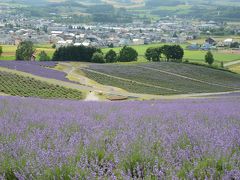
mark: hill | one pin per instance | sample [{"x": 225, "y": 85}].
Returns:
[
  {"x": 82, "y": 11},
  {"x": 163, "y": 78}
]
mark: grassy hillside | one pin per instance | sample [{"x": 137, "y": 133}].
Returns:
[
  {"x": 164, "y": 78},
  {"x": 94, "y": 10}
]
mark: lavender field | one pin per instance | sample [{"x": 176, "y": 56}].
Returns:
[
  {"x": 178, "y": 139},
  {"x": 36, "y": 68}
]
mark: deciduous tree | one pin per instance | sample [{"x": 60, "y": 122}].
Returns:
[
  {"x": 127, "y": 54},
  {"x": 153, "y": 53},
  {"x": 43, "y": 56},
  {"x": 98, "y": 58},
  {"x": 111, "y": 56},
  {"x": 209, "y": 58},
  {"x": 25, "y": 50},
  {"x": 1, "y": 50}
]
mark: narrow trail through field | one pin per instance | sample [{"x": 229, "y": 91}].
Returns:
[
  {"x": 232, "y": 63},
  {"x": 189, "y": 78},
  {"x": 92, "y": 97},
  {"x": 73, "y": 74}
]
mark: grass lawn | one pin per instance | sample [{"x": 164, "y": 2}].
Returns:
[
  {"x": 10, "y": 50},
  {"x": 218, "y": 56}
]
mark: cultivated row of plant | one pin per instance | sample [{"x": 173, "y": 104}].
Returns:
[
  {"x": 155, "y": 74},
  {"x": 181, "y": 139},
  {"x": 128, "y": 85},
  {"x": 18, "y": 85},
  {"x": 215, "y": 76},
  {"x": 36, "y": 68}
]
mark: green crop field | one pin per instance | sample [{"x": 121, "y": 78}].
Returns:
[
  {"x": 18, "y": 85},
  {"x": 218, "y": 56},
  {"x": 192, "y": 56},
  {"x": 164, "y": 78},
  {"x": 10, "y": 50}
]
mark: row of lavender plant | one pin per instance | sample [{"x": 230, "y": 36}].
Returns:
[
  {"x": 180, "y": 139},
  {"x": 36, "y": 68}
]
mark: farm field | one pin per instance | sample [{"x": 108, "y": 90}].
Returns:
[
  {"x": 41, "y": 69},
  {"x": 163, "y": 78},
  {"x": 10, "y": 50},
  {"x": 177, "y": 139},
  {"x": 17, "y": 85},
  {"x": 192, "y": 56}
]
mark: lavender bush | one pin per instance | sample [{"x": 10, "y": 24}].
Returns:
[
  {"x": 180, "y": 139},
  {"x": 36, "y": 68}
]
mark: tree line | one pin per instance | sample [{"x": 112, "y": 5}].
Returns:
[
  {"x": 95, "y": 55},
  {"x": 25, "y": 51},
  {"x": 168, "y": 52},
  {"x": 173, "y": 53}
]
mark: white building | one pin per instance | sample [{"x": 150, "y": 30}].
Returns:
[
  {"x": 228, "y": 42},
  {"x": 138, "y": 41}
]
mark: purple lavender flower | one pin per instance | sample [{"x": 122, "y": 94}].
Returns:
[{"x": 177, "y": 139}]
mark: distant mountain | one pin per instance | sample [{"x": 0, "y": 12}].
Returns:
[{"x": 126, "y": 10}]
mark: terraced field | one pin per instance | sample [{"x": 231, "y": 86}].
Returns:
[
  {"x": 164, "y": 78},
  {"x": 17, "y": 85}
]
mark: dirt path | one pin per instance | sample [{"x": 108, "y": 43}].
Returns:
[
  {"x": 232, "y": 63},
  {"x": 74, "y": 75},
  {"x": 92, "y": 97}
]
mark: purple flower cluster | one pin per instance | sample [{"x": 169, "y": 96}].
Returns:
[
  {"x": 179, "y": 139},
  {"x": 36, "y": 68}
]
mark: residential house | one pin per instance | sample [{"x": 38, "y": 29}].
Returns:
[{"x": 210, "y": 41}]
